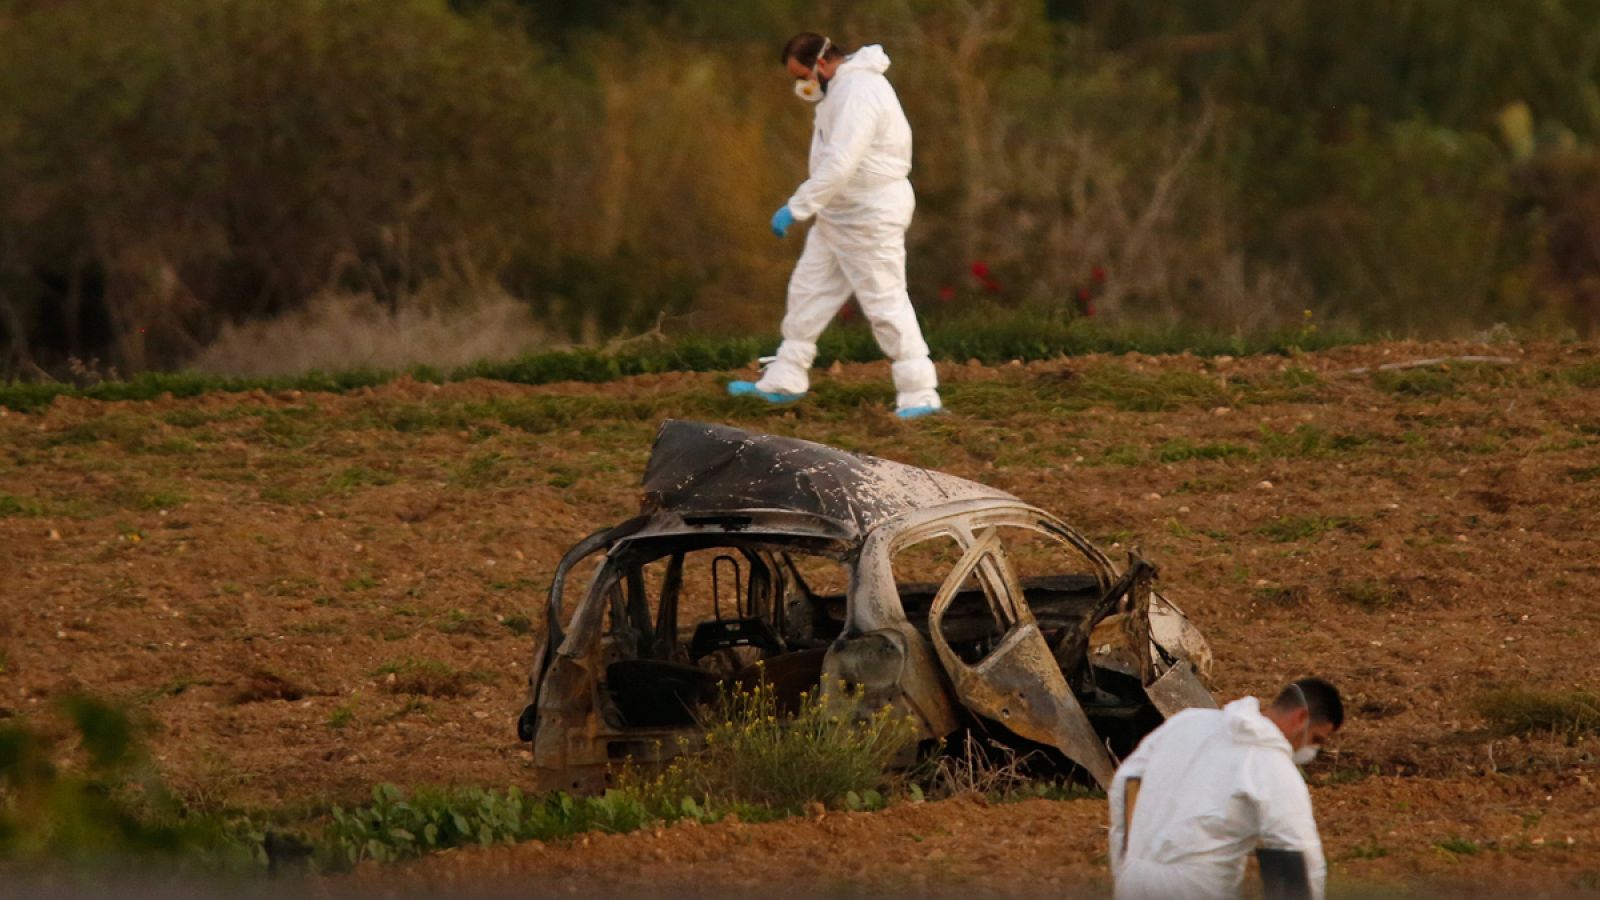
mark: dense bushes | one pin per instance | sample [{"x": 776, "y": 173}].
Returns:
[{"x": 166, "y": 172}]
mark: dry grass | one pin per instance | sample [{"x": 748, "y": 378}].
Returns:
[{"x": 1530, "y": 710}]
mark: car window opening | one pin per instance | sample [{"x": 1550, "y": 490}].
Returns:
[{"x": 718, "y": 618}]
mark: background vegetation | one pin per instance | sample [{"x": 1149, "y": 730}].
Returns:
[{"x": 170, "y": 176}]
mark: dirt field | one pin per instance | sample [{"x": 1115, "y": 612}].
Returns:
[{"x": 305, "y": 595}]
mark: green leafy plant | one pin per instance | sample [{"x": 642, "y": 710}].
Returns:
[{"x": 107, "y": 804}]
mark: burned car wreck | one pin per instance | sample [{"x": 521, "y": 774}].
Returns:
[{"x": 959, "y": 604}]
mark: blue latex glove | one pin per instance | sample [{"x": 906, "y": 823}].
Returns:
[{"x": 781, "y": 220}]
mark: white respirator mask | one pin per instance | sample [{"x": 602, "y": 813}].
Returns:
[{"x": 810, "y": 89}]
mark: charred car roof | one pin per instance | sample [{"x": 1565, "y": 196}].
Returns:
[{"x": 699, "y": 469}]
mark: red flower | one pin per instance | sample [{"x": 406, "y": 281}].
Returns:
[
  {"x": 946, "y": 294},
  {"x": 1083, "y": 295},
  {"x": 847, "y": 313},
  {"x": 1098, "y": 273},
  {"x": 980, "y": 270}
]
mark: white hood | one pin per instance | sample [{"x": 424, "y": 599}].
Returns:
[
  {"x": 870, "y": 58},
  {"x": 1247, "y": 725}
]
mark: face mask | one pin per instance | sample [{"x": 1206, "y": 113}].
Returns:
[
  {"x": 812, "y": 89},
  {"x": 1307, "y": 753}
]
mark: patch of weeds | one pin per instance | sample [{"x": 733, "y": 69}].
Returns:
[
  {"x": 760, "y": 753},
  {"x": 1180, "y": 450},
  {"x": 149, "y": 501},
  {"x": 341, "y": 717},
  {"x": 1372, "y": 595},
  {"x": 1581, "y": 473},
  {"x": 288, "y": 428},
  {"x": 482, "y": 470},
  {"x": 1586, "y": 375},
  {"x": 1341, "y": 775},
  {"x": 11, "y": 505},
  {"x": 287, "y": 494},
  {"x": 411, "y": 418},
  {"x": 399, "y": 826},
  {"x": 312, "y": 628},
  {"x": 1446, "y": 380},
  {"x": 1459, "y": 846},
  {"x": 188, "y": 417},
  {"x": 518, "y": 625},
  {"x": 176, "y": 446},
  {"x": 1301, "y": 528},
  {"x": 1304, "y": 442},
  {"x": 415, "y": 706},
  {"x": 1529, "y": 711},
  {"x": 544, "y": 414},
  {"x": 1121, "y": 536},
  {"x": 127, "y": 432},
  {"x": 1292, "y": 385},
  {"x": 562, "y": 476},
  {"x": 362, "y": 582},
  {"x": 1369, "y": 850},
  {"x": 460, "y": 621},
  {"x": 428, "y": 678},
  {"x": 1121, "y": 456},
  {"x": 354, "y": 477},
  {"x": 1132, "y": 391},
  {"x": 1286, "y": 595},
  {"x": 289, "y": 587}
]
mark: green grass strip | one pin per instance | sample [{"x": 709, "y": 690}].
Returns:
[{"x": 990, "y": 342}]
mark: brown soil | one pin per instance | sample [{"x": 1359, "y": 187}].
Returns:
[{"x": 306, "y": 595}]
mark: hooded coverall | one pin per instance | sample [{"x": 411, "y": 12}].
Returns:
[
  {"x": 1214, "y": 786},
  {"x": 862, "y": 199}
]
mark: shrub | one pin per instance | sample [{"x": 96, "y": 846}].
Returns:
[{"x": 822, "y": 753}]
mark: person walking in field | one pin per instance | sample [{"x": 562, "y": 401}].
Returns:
[
  {"x": 1209, "y": 786},
  {"x": 861, "y": 198}
]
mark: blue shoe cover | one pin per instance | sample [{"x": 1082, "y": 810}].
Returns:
[
  {"x": 917, "y": 412},
  {"x": 749, "y": 389}
]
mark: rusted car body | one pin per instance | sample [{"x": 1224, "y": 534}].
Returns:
[{"x": 1025, "y": 631}]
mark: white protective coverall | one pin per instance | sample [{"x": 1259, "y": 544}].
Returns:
[
  {"x": 862, "y": 199},
  {"x": 1214, "y": 786}
]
